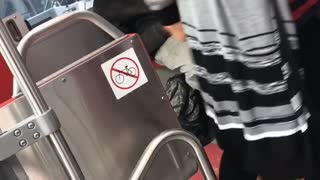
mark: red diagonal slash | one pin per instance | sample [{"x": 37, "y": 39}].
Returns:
[{"x": 125, "y": 73}]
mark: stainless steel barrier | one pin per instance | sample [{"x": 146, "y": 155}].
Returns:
[
  {"x": 57, "y": 25},
  {"x": 37, "y": 102},
  {"x": 164, "y": 138},
  {"x": 103, "y": 132},
  {"x": 64, "y": 21}
]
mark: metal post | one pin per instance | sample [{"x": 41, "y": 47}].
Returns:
[
  {"x": 37, "y": 102},
  {"x": 164, "y": 138}
]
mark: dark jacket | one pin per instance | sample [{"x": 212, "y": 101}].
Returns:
[{"x": 133, "y": 16}]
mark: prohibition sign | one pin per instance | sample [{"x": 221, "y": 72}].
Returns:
[{"x": 124, "y": 73}]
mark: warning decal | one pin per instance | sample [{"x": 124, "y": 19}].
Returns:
[{"x": 124, "y": 73}]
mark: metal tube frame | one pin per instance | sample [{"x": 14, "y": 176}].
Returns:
[
  {"x": 37, "y": 102},
  {"x": 62, "y": 22},
  {"x": 164, "y": 138}
]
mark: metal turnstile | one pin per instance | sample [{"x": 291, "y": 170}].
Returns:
[{"x": 107, "y": 134}]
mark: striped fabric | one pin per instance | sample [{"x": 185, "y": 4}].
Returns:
[
  {"x": 245, "y": 73},
  {"x": 244, "y": 77},
  {"x": 245, "y": 52}
]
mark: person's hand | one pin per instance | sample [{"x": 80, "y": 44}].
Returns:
[{"x": 176, "y": 31}]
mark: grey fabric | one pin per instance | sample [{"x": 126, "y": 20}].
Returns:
[{"x": 175, "y": 55}]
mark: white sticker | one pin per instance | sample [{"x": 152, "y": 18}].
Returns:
[{"x": 124, "y": 73}]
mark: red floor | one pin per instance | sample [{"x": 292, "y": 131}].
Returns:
[{"x": 214, "y": 154}]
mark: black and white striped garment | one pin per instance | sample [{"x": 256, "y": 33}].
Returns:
[
  {"x": 245, "y": 52},
  {"x": 246, "y": 78}
]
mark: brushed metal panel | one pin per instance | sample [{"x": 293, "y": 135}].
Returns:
[{"x": 106, "y": 135}]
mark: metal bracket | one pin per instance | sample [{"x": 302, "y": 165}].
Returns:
[{"x": 26, "y": 133}]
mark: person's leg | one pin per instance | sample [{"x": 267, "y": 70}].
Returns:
[
  {"x": 232, "y": 168},
  {"x": 309, "y": 41}
]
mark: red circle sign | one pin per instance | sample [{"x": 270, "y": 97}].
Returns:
[{"x": 124, "y": 73}]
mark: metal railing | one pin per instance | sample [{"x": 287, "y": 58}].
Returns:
[
  {"x": 164, "y": 138},
  {"x": 37, "y": 102}
]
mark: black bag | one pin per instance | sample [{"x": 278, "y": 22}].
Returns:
[{"x": 188, "y": 105}]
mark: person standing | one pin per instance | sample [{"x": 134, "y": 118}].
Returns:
[{"x": 247, "y": 68}]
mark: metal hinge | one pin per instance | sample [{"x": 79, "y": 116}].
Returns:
[{"x": 26, "y": 133}]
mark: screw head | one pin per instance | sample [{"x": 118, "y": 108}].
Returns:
[
  {"x": 63, "y": 80},
  {"x": 17, "y": 133},
  {"x": 23, "y": 143},
  {"x": 36, "y": 135},
  {"x": 31, "y": 125}
]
